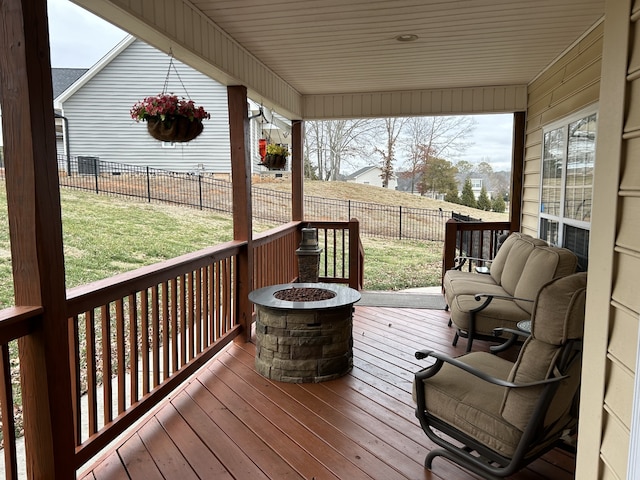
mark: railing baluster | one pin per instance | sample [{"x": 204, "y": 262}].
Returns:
[
  {"x": 198, "y": 311},
  {"x": 8, "y": 421},
  {"x": 155, "y": 336},
  {"x": 74, "y": 366},
  {"x": 212, "y": 303},
  {"x": 107, "y": 380},
  {"x": 183, "y": 319},
  {"x": 190, "y": 320},
  {"x": 133, "y": 345},
  {"x": 166, "y": 348},
  {"x": 144, "y": 344},
  {"x": 120, "y": 355},
  {"x": 92, "y": 378},
  {"x": 174, "y": 324}
]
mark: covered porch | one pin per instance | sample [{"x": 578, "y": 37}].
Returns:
[{"x": 186, "y": 323}]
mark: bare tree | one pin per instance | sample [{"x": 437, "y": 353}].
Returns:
[
  {"x": 435, "y": 137},
  {"x": 391, "y": 129},
  {"x": 332, "y": 142}
]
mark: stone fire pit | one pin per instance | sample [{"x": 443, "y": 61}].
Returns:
[{"x": 300, "y": 338}]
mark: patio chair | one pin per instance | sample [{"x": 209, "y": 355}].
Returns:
[{"x": 507, "y": 414}]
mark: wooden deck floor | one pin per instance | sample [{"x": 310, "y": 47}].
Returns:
[{"x": 231, "y": 423}]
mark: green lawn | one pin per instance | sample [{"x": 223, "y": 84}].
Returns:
[{"x": 105, "y": 235}]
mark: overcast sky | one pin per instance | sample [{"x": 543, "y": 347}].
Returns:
[{"x": 79, "y": 39}]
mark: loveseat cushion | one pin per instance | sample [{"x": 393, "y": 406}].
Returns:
[
  {"x": 499, "y": 313},
  {"x": 543, "y": 265},
  {"x": 461, "y": 283},
  {"x": 515, "y": 262},
  {"x": 473, "y": 405},
  {"x": 498, "y": 263}
]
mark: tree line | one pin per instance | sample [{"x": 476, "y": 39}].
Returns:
[{"x": 426, "y": 143}]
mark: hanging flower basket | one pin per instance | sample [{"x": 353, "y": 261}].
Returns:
[
  {"x": 169, "y": 118},
  {"x": 276, "y": 156}
]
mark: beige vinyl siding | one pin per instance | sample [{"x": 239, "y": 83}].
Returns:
[
  {"x": 567, "y": 86},
  {"x": 613, "y": 304}
]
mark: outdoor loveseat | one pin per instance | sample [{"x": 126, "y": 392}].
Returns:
[{"x": 480, "y": 303}]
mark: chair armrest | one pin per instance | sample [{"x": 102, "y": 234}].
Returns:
[
  {"x": 460, "y": 260},
  {"x": 500, "y": 330},
  {"x": 441, "y": 359},
  {"x": 489, "y": 298},
  {"x": 477, "y": 259}
]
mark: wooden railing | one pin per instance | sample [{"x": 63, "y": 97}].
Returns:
[
  {"x": 138, "y": 335},
  {"x": 341, "y": 259},
  {"x": 471, "y": 239},
  {"x": 274, "y": 259}
]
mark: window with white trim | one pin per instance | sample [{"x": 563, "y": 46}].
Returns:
[{"x": 568, "y": 158}]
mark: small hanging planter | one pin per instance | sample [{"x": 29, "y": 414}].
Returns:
[
  {"x": 276, "y": 157},
  {"x": 169, "y": 118}
]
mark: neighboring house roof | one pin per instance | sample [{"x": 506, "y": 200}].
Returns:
[
  {"x": 63, "y": 78},
  {"x": 362, "y": 171}
]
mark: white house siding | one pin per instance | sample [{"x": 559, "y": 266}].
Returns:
[
  {"x": 100, "y": 124},
  {"x": 372, "y": 177}
]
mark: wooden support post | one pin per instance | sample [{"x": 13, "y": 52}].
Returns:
[
  {"x": 241, "y": 181},
  {"x": 35, "y": 229},
  {"x": 517, "y": 170},
  {"x": 449, "y": 254},
  {"x": 355, "y": 267},
  {"x": 297, "y": 171}
]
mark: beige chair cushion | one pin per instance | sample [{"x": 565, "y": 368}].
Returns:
[
  {"x": 497, "y": 266},
  {"x": 514, "y": 265},
  {"x": 558, "y": 317},
  {"x": 499, "y": 313},
  {"x": 559, "y": 312},
  {"x": 456, "y": 281},
  {"x": 543, "y": 265}
]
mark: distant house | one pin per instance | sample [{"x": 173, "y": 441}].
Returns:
[
  {"x": 93, "y": 112},
  {"x": 371, "y": 176},
  {"x": 477, "y": 182}
]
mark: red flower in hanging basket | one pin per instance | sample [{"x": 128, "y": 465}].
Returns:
[{"x": 169, "y": 118}]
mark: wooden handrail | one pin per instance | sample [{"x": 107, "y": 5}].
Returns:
[{"x": 84, "y": 297}]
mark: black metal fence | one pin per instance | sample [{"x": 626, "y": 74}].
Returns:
[{"x": 201, "y": 190}]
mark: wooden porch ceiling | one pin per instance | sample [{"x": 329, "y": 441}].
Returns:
[{"x": 229, "y": 422}]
